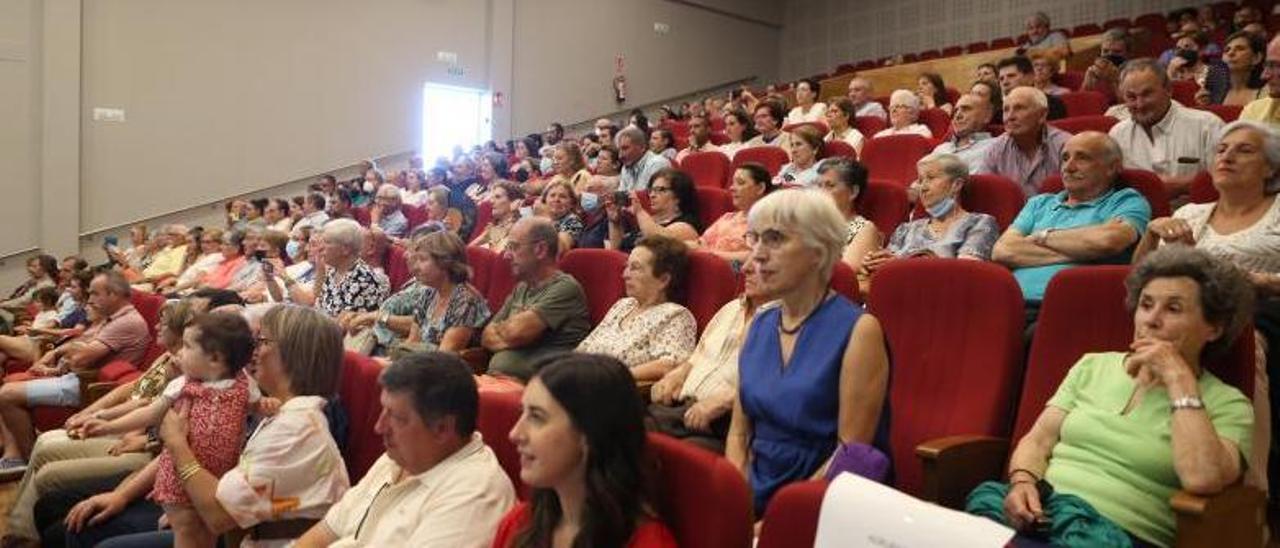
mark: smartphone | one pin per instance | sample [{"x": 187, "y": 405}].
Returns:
[
  {"x": 622, "y": 198},
  {"x": 268, "y": 267},
  {"x": 259, "y": 255}
]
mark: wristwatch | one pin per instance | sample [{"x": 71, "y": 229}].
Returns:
[{"x": 1186, "y": 402}]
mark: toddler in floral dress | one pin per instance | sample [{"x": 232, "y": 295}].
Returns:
[{"x": 217, "y": 395}]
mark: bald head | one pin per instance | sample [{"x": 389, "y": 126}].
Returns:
[
  {"x": 859, "y": 90},
  {"x": 972, "y": 114},
  {"x": 1091, "y": 162}
]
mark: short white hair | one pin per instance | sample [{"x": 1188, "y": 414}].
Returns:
[
  {"x": 344, "y": 232},
  {"x": 812, "y": 214},
  {"x": 1038, "y": 98},
  {"x": 388, "y": 190},
  {"x": 1270, "y": 148},
  {"x": 904, "y": 98}
]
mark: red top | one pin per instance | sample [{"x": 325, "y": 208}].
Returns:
[{"x": 650, "y": 534}]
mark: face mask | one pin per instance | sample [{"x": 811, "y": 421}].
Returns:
[
  {"x": 368, "y": 187},
  {"x": 293, "y": 248},
  {"x": 546, "y": 165},
  {"x": 590, "y": 201},
  {"x": 1189, "y": 55},
  {"x": 943, "y": 207},
  {"x": 1116, "y": 60}
]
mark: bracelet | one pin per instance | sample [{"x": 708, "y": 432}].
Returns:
[
  {"x": 1035, "y": 476},
  {"x": 188, "y": 471}
]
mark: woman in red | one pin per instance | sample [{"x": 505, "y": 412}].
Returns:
[{"x": 582, "y": 449}]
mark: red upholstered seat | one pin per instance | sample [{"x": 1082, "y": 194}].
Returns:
[
  {"x": 484, "y": 214},
  {"x": 397, "y": 269},
  {"x": 1145, "y": 182},
  {"x": 792, "y": 517},
  {"x": 719, "y": 137},
  {"x": 709, "y": 283},
  {"x": 360, "y": 393},
  {"x": 148, "y": 306},
  {"x": 1084, "y": 103},
  {"x": 1153, "y": 22},
  {"x": 937, "y": 120},
  {"x": 499, "y": 412},
  {"x": 838, "y": 148},
  {"x": 481, "y": 262},
  {"x": 599, "y": 271},
  {"x": 712, "y": 204},
  {"x": 416, "y": 215},
  {"x": 1070, "y": 79},
  {"x": 1077, "y": 124},
  {"x": 771, "y": 157},
  {"x": 1184, "y": 91},
  {"x": 975, "y": 47},
  {"x": 1086, "y": 30},
  {"x": 361, "y": 215},
  {"x": 1228, "y": 113},
  {"x": 1000, "y": 43},
  {"x": 884, "y": 203},
  {"x": 952, "y": 51},
  {"x": 711, "y": 169},
  {"x": 869, "y": 125},
  {"x": 994, "y": 195},
  {"x": 502, "y": 280},
  {"x": 1202, "y": 189},
  {"x": 930, "y": 54},
  {"x": 1115, "y": 24},
  {"x": 964, "y": 358},
  {"x": 701, "y": 496},
  {"x": 894, "y": 157},
  {"x": 845, "y": 281}
]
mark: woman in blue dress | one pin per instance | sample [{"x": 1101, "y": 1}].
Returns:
[{"x": 814, "y": 370}]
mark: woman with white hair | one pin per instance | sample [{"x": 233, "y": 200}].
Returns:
[
  {"x": 904, "y": 116},
  {"x": 344, "y": 283},
  {"x": 814, "y": 371},
  {"x": 1243, "y": 227}
]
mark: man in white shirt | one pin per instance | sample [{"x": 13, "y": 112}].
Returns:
[
  {"x": 699, "y": 137},
  {"x": 1042, "y": 41},
  {"x": 1160, "y": 135},
  {"x": 438, "y": 485},
  {"x": 313, "y": 214},
  {"x": 860, "y": 93},
  {"x": 969, "y": 137},
  {"x": 638, "y": 162}
]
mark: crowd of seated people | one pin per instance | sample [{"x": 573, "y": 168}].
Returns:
[{"x": 780, "y": 380}]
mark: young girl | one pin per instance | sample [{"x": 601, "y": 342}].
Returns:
[
  {"x": 47, "y": 299},
  {"x": 217, "y": 396}
]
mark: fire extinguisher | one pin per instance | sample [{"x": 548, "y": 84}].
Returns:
[{"x": 620, "y": 88}]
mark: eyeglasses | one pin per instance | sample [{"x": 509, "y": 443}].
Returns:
[
  {"x": 260, "y": 340},
  {"x": 770, "y": 238},
  {"x": 513, "y": 245},
  {"x": 659, "y": 189}
]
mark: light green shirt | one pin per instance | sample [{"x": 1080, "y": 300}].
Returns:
[{"x": 1123, "y": 464}]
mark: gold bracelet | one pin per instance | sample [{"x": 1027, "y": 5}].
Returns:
[{"x": 189, "y": 471}]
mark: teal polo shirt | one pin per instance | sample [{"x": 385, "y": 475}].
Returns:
[{"x": 1051, "y": 211}]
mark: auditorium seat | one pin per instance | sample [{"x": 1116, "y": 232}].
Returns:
[
  {"x": 1001, "y": 43},
  {"x": 1070, "y": 79},
  {"x": 1228, "y": 113},
  {"x": 484, "y": 214},
  {"x": 1077, "y": 124},
  {"x": 958, "y": 464},
  {"x": 771, "y": 157},
  {"x": 1202, "y": 189},
  {"x": 712, "y": 204},
  {"x": 703, "y": 498},
  {"x": 928, "y": 55},
  {"x": 499, "y": 413},
  {"x": 1086, "y": 29},
  {"x": 501, "y": 281},
  {"x": 869, "y": 125},
  {"x": 884, "y": 203},
  {"x": 481, "y": 262},
  {"x": 975, "y": 47},
  {"x": 416, "y": 215},
  {"x": 599, "y": 271},
  {"x": 1115, "y": 24},
  {"x": 397, "y": 269},
  {"x": 1145, "y": 182},
  {"x": 718, "y": 137},
  {"x": 820, "y": 127},
  {"x": 1184, "y": 91},
  {"x": 1084, "y": 103},
  {"x": 845, "y": 281},
  {"x": 952, "y": 51},
  {"x": 792, "y": 517},
  {"x": 361, "y": 215},
  {"x": 1154, "y": 23},
  {"x": 360, "y": 393},
  {"x": 709, "y": 283},
  {"x": 938, "y": 122},
  {"x": 711, "y": 169},
  {"x": 964, "y": 358},
  {"x": 838, "y": 148},
  {"x": 994, "y": 195},
  {"x": 894, "y": 157}
]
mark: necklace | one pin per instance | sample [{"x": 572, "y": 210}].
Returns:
[{"x": 800, "y": 324}]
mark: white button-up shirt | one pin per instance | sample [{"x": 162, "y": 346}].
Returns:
[
  {"x": 1179, "y": 143},
  {"x": 458, "y": 503}
]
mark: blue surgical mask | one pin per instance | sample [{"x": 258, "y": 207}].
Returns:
[
  {"x": 943, "y": 207},
  {"x": 590, "y": 201},
  {"x": 293, "y": 248}
]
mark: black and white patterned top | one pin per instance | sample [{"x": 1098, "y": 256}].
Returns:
[{"x": 361, "y": 289}]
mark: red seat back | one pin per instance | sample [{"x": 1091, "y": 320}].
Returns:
[
  {"x": 1202, "y": 189},
  {"x": 484, "y": 215},
  {"x": 361, "y": 215},
  {"x": 869, "y": 125},
  {"x": 360, "y": 395},
  {"x": 481, "y": 262},
  {"x": 499, "y": 412},
  {"x": 708, "y": 168},
  {"x": 1071, "y": 79},
  {"x": 1115, "y": 24},
  {"x": 1000, "y": 43},
  {"x": 599, "y": 271},
  {"x": 1228, "y": 113},
  {"x": 1086, "y": 29},
  {"x": 845, "y": 281},
  {"x": 397, "y": 270},
  {"x": 1061, "y": 338},
  {"x": 884, "y": 203},
  {"x": 1145, "y": 182},
  {"x": 792, "y": 517},
  {"x": 416, "y": 215},
  {"x": 965, "y": 365},
  {"x": 838, "y": 148},
  {"x": 148, "y": 306},
  {"x": 771, "y": 157},
  {"x": 975, "y": 47},
  {"x": 930, "y": 54},
  {"x": 894, "y": 157},
  {"x": 937, "y": 120},
  {"x": 952, "y": 51},
  {"x": 709, "y": 283},
  {"x": 719, "y": 137},
  {"x": 1077, "y": 124},
  {"x": 1184, "y": 91},
  {"x": 701, "y": 496},
  {"x": 712, "y": 204},
  {"x": 1084, "y": 103},
  {"x": 502, "y": 280}
]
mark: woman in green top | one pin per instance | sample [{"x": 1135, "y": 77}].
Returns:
[{"x": 1126, "y": 430}]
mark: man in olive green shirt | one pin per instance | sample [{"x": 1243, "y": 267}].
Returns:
[{"x": 546, "y": 314}]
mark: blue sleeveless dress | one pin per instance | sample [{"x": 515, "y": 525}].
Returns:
[{"x": 795, "y": 410}]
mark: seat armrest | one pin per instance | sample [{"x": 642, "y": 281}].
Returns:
[
  {"x": 1234, "y": 517},
  {"x": 477, "y": 358},
  {"x": 954, "y": 465}
]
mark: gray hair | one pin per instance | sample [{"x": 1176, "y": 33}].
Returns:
[
  {"x": 1038, "y": 98},
  {"x": 541, "y": 229},
  {"x": 116, "y": 282},
  {"x": 1270, "y": 148},
  {"x": 439, "y": 194},
  {"x": 952, "y": 166},
  {"x": 1144, "y": 64},
  {"x": 904, "y": 98},
  {"x": 812, "y": 214},
  {"x": 388, "y": 190},
  {"x": 1040, "y": 17},
  {"x": 344, "y": 232},
  {"x": 632, "y": 134},
  {"x": 1118, "y": 35},
  {"x": 1226, "y": 296}
]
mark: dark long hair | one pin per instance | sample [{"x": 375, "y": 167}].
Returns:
[
  {"x": 599, "y": 394},
  {"x": 686, "y": 193},
  {"x": 939, "y": 88}
]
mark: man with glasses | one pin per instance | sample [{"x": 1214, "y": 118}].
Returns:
[
  {"x": 1267, "y": 109},
  {"x": 386, "y": 214},
  {"x": 545, "y": 314}
]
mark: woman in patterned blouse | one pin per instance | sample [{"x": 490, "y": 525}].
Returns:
[
  {"x": 560, "y": 203},
  {"x": 645, "y": 330}
]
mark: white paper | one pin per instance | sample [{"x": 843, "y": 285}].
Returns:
[{"x": 858, "y": 512}]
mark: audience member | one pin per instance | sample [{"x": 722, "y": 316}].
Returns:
[
  {"x": 560, "y": 204},
  {"x": 1161, "y": 135},
  {"x": 545, "y": 314},
  {"x": 277, "y": 216},
  {"x": 727, "y": 236},
  {"x": 166, "y": 262},
  {"x": 1030, "y": 149},
  {"x": 1237, "y": 80},
  {"x": 1082, "y": 446},
  {"x": 646, "y": 330},
  {"x": 1043, "y": 41},
  {"x": 582, "y": 436},
  {"x": 904, "y": 116},
  {"x": 42, "y": 272},
  {"x": 699, "y": 138},
  {"x": 438, "y": 210},
  {"x": 414, "y": 192},
  {"x": 814, "y": 369},
  {"x": 313, "y": 213},
  {"x": 845, "y": 181},
  {"x": 673, "y": 212},
  {"x": 1018, "y": 72},
  {"x": 840, "y": 117},
  {"x": 605, "y": 129},
  {"x": 807, "y": 108},
  {"x": 740, "y": 130},
  {"x": 864, "y": 103},
  {"x": 344, "y": 282},
  {"x": 1103, "y": 75},
  {"x": 505, "y": 200},
  {"x": 1095, "y": 219},
  {"x": 986, "y": 72},
  {"x": 768, "y": 119},
  {"x": 802, "y": 170},
  {"x": 638, "y": 162},
  {"x": 607, "y": 170},
  {"x": 28, "y": 341},
  {"x": 1187, "y": 63},
  {"x": 932, "y": 92},
  {"x": 990, "y": 92},
  {"x": 237, "y": 271},
  {"x": 570, "y": 167},
  {"x": 208, "y": 248},
  {"x": 969, "y": 138},
  {"x": 1044, "y": 68},
  {"x": 438, "y": 484},
  {"x": 386, "y": 213},
  {"x": 663, "y": 143}
]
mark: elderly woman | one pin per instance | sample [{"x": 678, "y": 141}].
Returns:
[
  {"x": 438, "y": 209},
  {"x": 209, "y": 255},
  {"x": 802, "y": 170},
  {"x": 646, "y": 330},
  {"x": 904, "y": 115},
  {"x": 727, "y": 237},
  {"x": 237, "y": 271},
  {"x": 1043, "y": 69},
  {"x": 505, "y": 199},
  {"x": 440, "y": 310},
  {"x": 845, "y": 181},
  {"x": 296, "y": 282},
  {"x": 674, "y": 201},
  {"x": 807, "y": 108},
  {"x": 570, "y": 166},
  {"x": 663, "y": 143},
  {"x": 740, "y": 130},
  {"x": 840, "y": 118},
  {"x": 345, "y": 283},
  {"x": 1238, "y": 79},
  {"x": 947, "y": 231},
  {"x": 1125, "y": 430},
  {"x": 933, "y": 92},
  {"x": 290, "y": 470},
  {"x": 62, "y": 456},
  {"x": 814, "y": 371},
  {"x": 559, "y": 203}
]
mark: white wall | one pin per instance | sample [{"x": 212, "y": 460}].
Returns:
[
  {"x": 821, "y": 34},
  {"x": 19, "y": 125}
]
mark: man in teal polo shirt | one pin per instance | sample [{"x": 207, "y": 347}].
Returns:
[{"x": 1092, "y": 221}]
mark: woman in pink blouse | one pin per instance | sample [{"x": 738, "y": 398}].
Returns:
[{"x": 727, "y": 237}]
